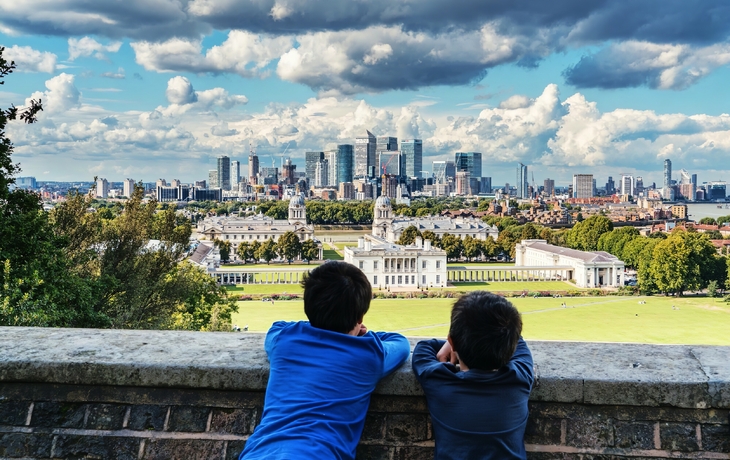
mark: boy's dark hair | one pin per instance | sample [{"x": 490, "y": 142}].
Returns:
[
  {"x": 336, "y": 296},
  {"x": 485, "y": 329}
]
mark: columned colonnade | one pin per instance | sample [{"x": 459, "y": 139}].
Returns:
[{"x": 510, "y": 274}]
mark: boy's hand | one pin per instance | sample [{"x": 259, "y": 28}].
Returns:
[
  {"x": 446, "y": 354},
  {"x": 363, "y": 330}
]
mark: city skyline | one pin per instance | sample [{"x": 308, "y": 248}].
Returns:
[{"x": 569, "y": 90}]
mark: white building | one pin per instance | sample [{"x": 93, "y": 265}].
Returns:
[
  {"x": 582, "y": 185},
  {"x": 386, "y": 226},
  {"x": 128, "y": 185},
  {"x": 206, "y": 256},
  {"x": 257, "y": 228},
  {"x": 590, "y": 269},
  {"x": 102, "y": 188},
  {"x": 392, "y": 266}
]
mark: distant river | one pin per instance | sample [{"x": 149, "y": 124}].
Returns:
[{"x": 698, "y": 211}]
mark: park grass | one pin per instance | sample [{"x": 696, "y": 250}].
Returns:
[
  {"x": 341, "y": 246},
  {"x": 331, "y": 254},
  {"x": 513, "y": 286},
  {"x": 697, "y": 321}
]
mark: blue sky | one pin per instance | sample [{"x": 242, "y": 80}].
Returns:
[{"x": 154, "y": 88}]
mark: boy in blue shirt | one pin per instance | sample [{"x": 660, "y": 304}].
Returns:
[
  {"x": 479, "y": 409},
  {"x": 322, "y": 372}
]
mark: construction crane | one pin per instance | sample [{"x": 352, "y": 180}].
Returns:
[{"x": 281, "y": 157}]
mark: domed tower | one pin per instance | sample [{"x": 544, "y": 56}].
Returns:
[
  {"x": 297, "y": 210},
  {"x": 382, "y": 216}
]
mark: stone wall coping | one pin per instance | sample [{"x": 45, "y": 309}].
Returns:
[{"x": 685, "y": 376}]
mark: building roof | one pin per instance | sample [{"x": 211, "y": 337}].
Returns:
[
  {"x": 441, "y": 223},
  {"x": 201, "y": 252},
  {"x": 586, "y": 256}
]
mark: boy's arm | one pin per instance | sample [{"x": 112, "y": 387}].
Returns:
[
  {"x": 522, "y": 360},
  {"x": 425, "y": 355},
  {"x": 396, "y": 349},
  {"x": 273, "y": 334}
]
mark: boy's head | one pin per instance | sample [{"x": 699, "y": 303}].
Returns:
[
  {"x": 485, "y": 329},
  {"x": 336, "y": 296}
]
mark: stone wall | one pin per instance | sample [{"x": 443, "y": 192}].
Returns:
[{"x": 70, "y": 393}]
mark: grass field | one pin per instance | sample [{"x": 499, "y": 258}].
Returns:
[
  {"x": 595, "y": 319},
  {"x": 331, "y": 254},
  {"x": 341, "y": 246}
]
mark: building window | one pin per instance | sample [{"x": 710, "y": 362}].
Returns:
[
  {"x": 375, "y": 265},
  {"x": 235, "y": 237},
  {"x": 362, "y": 264},
  {"x": 413, "y": 279},
  {"x": 375, "y": 280},
  {"x": 386, "y": 280},
  {"x": 226, "y": 236},
  {"x": 423, "y": 279},
  {"x": 438, "y": 264},
  {"x": 438, "y": 278},
  {"x": 400, "y": 279},
  {"x": 386, "y": 264},
  {"x": 423, "y": 264}
]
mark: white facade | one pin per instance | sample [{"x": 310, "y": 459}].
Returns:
[
  {"x": 128, "y": 187},
  {"x": 257, "y": 228},
  {"x": 392, "y": 266},
  {"x": 582, "y": 185},
  {"x": 102, "y": 188},
  {"x": 390, "y": 228},
  {"x": 590, "y": 269}
]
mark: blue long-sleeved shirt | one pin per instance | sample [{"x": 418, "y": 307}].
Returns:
[
  {"x": 319, "y": 390},
  {"x": 476, "y": 414}
]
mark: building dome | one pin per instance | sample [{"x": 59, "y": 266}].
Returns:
[
  {"x": 382, "y": 201},
  {"x": 296, "y": 201}
]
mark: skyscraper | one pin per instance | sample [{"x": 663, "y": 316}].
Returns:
[
  {"x": 667, "y": 172},
  {"x": 345, "y": 159},
  {"x": 412, "y": 152},
  {"x": 627, "y": 185},
  {"x": 288, "y": 171},
  {"x": 386, "y": 143},
  {"x": 310, "y": 164},
  {"x": 224, "y": 172},
  {"x": 549, "y": 187},
  {"x": 522, "y": 181},
  {"x": 253, "y": 167},
  {"x": 212, "y": 178},
  {"x": 321, "y": 173},
  {"x": 128, "y": 187},
  {"x": 610, "y": 186},
  {"x": 582, "y": 185},
  {"x": 469, "y": 161},
  {"x": 102, "y": 188},
  {"x": 235, "y": 174},
  {"x": 365, "y": 155},
  {"x": 443, "y": 171},
  {"x": 389, "y": 163}
]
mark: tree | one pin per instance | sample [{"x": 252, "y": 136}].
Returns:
[
  {"x": 684, "y": 261},
  {"x": 409, "y": 235},
  {"x": 713, "y": 234},
  {"x": 452, "y": 245},
  {"x": 255, "y": 250},
  {"x": 471, "y": 247},
  {"x": 616, "y": 240},
  {"x": 288, "y": 246},
  {"x": 530, "y": 231},
  {"x": 708, "y": 221},
  {"x": 489, "y": 247},
  {"x": 585, "y": 235},
  {"x": 431, "y": 236},
  {"x": 267, "y": 251},
  {"x": 723, "y": 220},
  {"x": 310, "y": 251},
  {"x": 245, "y": 251},
  {"x": 225, "y": 249}
]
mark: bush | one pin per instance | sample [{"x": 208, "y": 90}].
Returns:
[{"x": 712, "y": 289}]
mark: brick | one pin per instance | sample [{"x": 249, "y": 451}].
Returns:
[
  {"x": 52, "y": 414},
  {"x": 544, "y": 431},
  {"x": 234, "y": 421},
  {"x": 413, "y": 453},
  {"x": 635, "y": 435},
  {"x": 182, "y": 449},
  {"x": 188, "y": 419},
  {"x": 13, "y": 412},
  {"x": 34, "y": 445},
  {"x": 366, "y": 452},
  {"x": 406, "y": 427},
  {"x": 106, "y": 417},
  {"x": 716, "y": 438},
  {"x": 589, "y": 433},
  {"x": 404, "y": 404},
  {"x": 234, "y": 449},
  {"x": 147, "y": 418},
  {"x": 679, "y": 436},
  {"x": 374, "y": 427},
  {"x": 97, "y": 447}
]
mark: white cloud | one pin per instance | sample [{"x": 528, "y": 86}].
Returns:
[
  {"x": 87, "y": 46},
  {"x": 180, "y": 91},
  {"x": 243, "y": 53},
  {"x": 61, "y": 95},
  {"x": 378, "y": 52},
  {"x": 118, "y": 75},
  {"x": 29, "y": 60}
]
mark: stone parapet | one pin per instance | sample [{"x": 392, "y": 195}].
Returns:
[{"x": 80, "y": 393}]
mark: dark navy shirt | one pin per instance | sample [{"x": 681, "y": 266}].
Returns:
[
  {"x": 476, "y": 414},
  {"x": 319, "y": 390}
]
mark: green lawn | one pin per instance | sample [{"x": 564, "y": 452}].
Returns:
[
  {"x": 596, "y": 319},
  {"x": 341, "y": 246},
  {"x": 331, "y": 254}
]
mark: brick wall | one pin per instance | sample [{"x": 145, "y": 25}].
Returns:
[{"x": 669, "y": 402}]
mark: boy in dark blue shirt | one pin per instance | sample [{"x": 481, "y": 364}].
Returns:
[
  {"x": 322, "y": 372},
  {"x": 479, "y": 409}
]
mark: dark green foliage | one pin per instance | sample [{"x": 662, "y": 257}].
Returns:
[{"x": 409, "y": 235}]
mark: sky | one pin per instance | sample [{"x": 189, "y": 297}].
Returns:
[{"x": 149, "y": 89}]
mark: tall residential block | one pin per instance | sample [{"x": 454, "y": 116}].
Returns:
[
  {"x": 522, "y": 181},
  {"x": 667, "y": 172},
  {"x": 582, "y": 185},
  {"x": 253, "y": 168},
  {"x": 235, "y": 174},
  {"x": 311, "y": 159},
  {"x": 224, "y": 172},
  {"x": 365, "y": 155},
  {"x": 627, "y": 185},
  {"x": 345, "y": 163},
  {"x": 102, "y": 188},
  {"x": 412, "y": 153},
  {"x": 549, "y": 187},
  {"x": 469, "y": 161},
  {"x": 212, "y": 178},
  {"x": 128, "y": 187}
]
